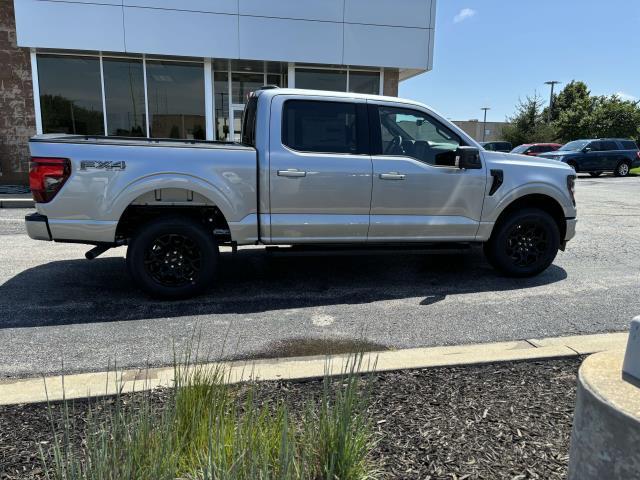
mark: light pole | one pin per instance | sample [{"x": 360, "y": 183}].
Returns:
[
  {"x": 484, "y": 123},
  {"x": 552, "y": 83}
]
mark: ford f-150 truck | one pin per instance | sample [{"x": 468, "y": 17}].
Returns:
[{"x": 313, "y": 168}]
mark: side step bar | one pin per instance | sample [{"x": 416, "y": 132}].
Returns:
[{"x": 338, "y": 250}]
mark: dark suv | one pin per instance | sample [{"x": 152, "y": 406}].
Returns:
[{"x": 615, "y": 155}]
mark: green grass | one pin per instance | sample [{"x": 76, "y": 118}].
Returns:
[
  {"x": 210, "y": 430},
  {"x": 635, "y": 171}
]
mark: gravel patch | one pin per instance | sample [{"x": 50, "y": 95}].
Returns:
[{"x": 509, "y": 420}]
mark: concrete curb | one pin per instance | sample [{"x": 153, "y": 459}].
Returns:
[{"x": 15, "y": 391}]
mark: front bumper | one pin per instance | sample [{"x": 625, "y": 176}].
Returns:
[
  {"x": 571, "y": 229},
  {"x": 37, "y": 227}
]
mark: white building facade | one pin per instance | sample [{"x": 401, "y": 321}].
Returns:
[{"x": 184, "y": 68}]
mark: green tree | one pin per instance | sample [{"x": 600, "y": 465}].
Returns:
[
  {"x": 572, "y": 110},
  {"x": 528, "y": 124},
  {"x": 614, "y": 117},
  {"x": 574, "y": 95}
]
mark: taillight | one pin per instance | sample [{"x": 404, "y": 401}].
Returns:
[
  {"x": 47, "y": 176},
  {"x": 638, "y": 154}
]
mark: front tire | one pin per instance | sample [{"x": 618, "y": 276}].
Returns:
[
  {"x": 172, "y": 258},
  {"x": 622, "y": 170},
  {"x": 524, "y": 243}
]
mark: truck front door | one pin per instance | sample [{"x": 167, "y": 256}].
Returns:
[
  {"x": 418, "y": 192},
  {"x": 320, "y": 170}
]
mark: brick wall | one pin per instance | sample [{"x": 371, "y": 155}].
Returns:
[
  {"x": 17, "y": 120},
  {"x": 391, "y": 81}
]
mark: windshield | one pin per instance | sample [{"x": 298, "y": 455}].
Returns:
[
  {"x": 520, "y": 149},
  {"x": 575, "y": 145}
]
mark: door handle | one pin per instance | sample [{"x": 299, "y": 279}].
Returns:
[
  {"x": 292, "y": 172},
  {"x": 392, "y": 176}
]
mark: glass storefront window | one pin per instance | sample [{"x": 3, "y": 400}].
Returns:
[
  {"x": 70, "y": 95},
  {"x": 364, "y": 82},
  {"x": 244, "y": 83},
  {"x": 221, "y": 101},
  {"x": 312, "y": 79},
  {"x": 124, "y": 96},
  {"x": 176, "y": 100}
]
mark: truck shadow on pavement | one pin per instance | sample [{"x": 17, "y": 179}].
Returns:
[{"x": 251, "y": 281}]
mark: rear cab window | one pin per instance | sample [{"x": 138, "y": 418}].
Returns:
[{"x": 320, "y": 126}]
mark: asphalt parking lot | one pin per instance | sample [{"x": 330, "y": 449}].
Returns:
[{"x": 58, "y": 308}]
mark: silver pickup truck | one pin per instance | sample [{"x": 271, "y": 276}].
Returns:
[{"x": 313, "y": 168}]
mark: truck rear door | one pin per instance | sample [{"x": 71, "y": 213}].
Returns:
[{"x": 320, "y": 170}]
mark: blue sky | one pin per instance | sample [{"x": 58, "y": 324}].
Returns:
[{"x": 491, "y": 52}]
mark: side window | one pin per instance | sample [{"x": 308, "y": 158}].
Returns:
[
  {"x": 608, "y": 145},
  {"x": 629, "y": 145},
  {"x": 594, "y": 146},
  {"x": 415, "y": 134},
  {"x": 320, "y": 126}
]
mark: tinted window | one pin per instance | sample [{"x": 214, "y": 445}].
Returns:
[
  {"x": 364, "y": 82},
  {"x": 176, "y": 100},
  {"x": 629, "y": 145},
  {"x": 520, "y": 149},
  {"x": 574, "y": 146},
  {"x": 249, "y": 122},
  {"x": 332, "y": 80},
  {"x": 595, "y": 146},
  {"x": 316, "y": 126},
  {"x": 607, "y": 145},
  {"x": 124, "y": 95},
  {"x": 70, "y": 95},
  {"x": 242, "y": 84},
  {"x": 415, "y": 134}
]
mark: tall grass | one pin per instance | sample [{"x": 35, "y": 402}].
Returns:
[{"x": 208, "y": 429}]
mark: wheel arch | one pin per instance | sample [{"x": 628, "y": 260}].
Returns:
[{"x": 540, "y": 201}]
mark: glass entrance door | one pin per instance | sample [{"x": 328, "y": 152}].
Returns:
[{"x": 236, "y": 122}]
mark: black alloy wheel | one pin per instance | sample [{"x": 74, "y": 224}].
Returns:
[{"x": 523, "y": 243}]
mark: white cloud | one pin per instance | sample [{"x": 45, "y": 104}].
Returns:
[
  {"x": 626, "y": 96},
  {"x": 464, "y": 14}
]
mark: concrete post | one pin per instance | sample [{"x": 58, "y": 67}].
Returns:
[{"x": 606, "y": 426}]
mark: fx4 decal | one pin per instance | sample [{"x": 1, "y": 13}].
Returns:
[{"x": 100, "y": 165}]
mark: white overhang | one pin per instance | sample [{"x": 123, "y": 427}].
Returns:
[{"x": 382, "y": 33}]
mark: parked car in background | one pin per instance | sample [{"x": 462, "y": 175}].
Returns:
[
  {"x": 595, "y": 156},
  {"x": 535, "y": 149},
  {"x": 505, "y": 147}
]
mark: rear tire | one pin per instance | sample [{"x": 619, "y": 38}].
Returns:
[
  {"x": 622, "y": 170},
  {"x": 172, "y": 258},
  {"x": 524, "y": 243}
]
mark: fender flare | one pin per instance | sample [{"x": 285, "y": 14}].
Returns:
[
  {"x": 182, "y": 181},
  {"x": 535, "y": 188}
]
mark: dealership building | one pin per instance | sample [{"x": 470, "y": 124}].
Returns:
[{"x": 183, "y": 68}]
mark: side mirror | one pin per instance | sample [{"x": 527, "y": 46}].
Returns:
[
  {"x": 586, "y": 149},
  {"x": 468, "y": 158}
]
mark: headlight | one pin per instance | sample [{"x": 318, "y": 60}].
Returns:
[{"x": 571, "y": 186}]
